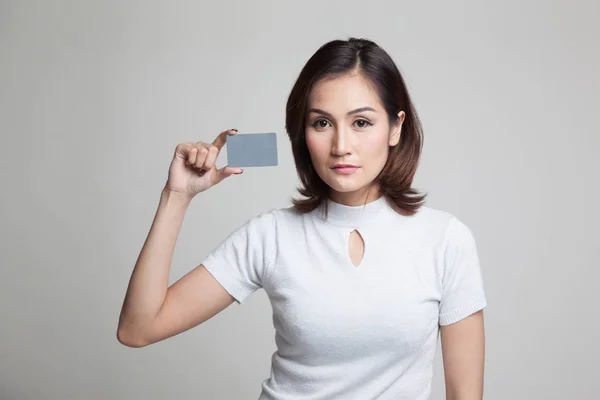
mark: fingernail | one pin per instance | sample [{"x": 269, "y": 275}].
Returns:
[{"x": 233, "y": 130}]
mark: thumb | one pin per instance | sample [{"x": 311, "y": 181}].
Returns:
[{"x": 226, "y": 172}]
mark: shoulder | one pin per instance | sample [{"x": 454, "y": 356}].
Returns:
[
  {"x": 431, "y": 219},
  {"x": 274, "y": 214},
  {"x": 443, "y": 225},
  {"x": 272, "y": 218},
  {"x": 280, "y": 215}
]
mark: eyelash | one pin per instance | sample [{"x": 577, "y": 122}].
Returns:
[{"x": 315, "y": 124}]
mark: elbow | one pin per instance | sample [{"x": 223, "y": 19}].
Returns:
[{"x": 130, "y": 338}]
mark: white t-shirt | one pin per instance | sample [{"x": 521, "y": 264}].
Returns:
[{"x": 346, "y": 332}]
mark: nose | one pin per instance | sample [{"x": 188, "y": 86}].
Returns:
[{"x": 341, "y": 143}]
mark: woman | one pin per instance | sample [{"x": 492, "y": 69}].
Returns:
[{"x": 362, "y": 277}]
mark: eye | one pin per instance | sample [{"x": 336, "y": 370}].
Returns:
[
  {"x": 363, "y": 123},
  {"x": 320, "y": 123}
]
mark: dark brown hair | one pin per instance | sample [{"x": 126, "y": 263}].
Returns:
[{"x": 363, "y": 56}]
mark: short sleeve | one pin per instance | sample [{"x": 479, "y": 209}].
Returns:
[
  {"x": 239, "y": 262},
  {"x": 462, "y": 283}
]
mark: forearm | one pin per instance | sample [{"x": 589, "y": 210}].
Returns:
[
  {"x": 150, "y": 277},
  {"x": 475, "y": 395}
]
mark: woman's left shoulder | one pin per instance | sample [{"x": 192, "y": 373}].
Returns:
[
  {"x": 433, "y": 217},
  {"x": 442, "y": 222}
]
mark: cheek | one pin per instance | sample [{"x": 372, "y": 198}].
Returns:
[
  {"x": 318, "y": 149},
  {"x": 375, "y": 147}
]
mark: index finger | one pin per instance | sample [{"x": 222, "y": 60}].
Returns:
[{"x": 220, "y": 140}]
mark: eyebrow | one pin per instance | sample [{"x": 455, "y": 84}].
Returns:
[{"x": 358, "y": 110}]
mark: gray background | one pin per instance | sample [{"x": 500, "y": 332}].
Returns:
[{"x": 95, "y": 95}]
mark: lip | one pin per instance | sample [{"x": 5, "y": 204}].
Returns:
[{"x": 344, "y": 168}]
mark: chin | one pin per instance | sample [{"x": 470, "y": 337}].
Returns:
[{"x": 346, "y": 186}]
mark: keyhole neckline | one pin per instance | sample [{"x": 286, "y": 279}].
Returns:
[{"x": 361, "y": 250}]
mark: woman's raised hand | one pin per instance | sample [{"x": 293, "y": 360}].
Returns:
[{"x": 193, "y": 168}]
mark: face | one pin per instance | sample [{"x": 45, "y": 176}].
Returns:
[{"x": 348, "y": 136}]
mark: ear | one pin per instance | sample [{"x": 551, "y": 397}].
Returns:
[{"x": 397, "y": 129}]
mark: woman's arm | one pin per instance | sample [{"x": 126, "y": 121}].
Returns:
[
  {"x": 152, "y": 311},
  {"x": 463, "y": 351}
]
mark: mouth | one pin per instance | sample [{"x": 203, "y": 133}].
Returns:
[{"x": 344, "y": 168}]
